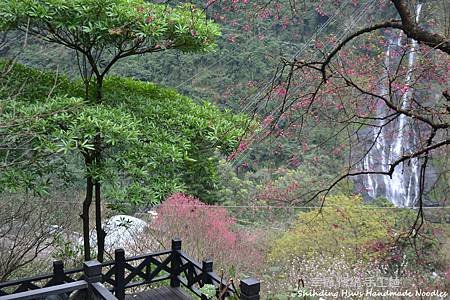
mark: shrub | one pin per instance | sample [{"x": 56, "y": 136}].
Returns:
[
  {"x": 343, "y": 225},
  {"x": 207, "y": 231}
]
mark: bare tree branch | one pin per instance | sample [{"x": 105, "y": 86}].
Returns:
[{"x": 414, "y": 31}]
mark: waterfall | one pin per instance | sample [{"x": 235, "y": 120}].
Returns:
[{"x": 395, "y": 139}]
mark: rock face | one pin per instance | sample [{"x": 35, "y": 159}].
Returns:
[{"x": 122, "y": 231}]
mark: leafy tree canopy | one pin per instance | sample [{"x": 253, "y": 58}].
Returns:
[
  {"x": 101, "y": 33},
  {"x": 153, "y": 138},
  {"x": 104, "y": 32},
  {"x": 131, "y": 26}
]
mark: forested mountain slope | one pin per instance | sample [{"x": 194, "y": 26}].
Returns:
[{"x": 256, "y": 38}]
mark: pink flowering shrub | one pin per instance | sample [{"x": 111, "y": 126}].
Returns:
[
  {"x": 191, "y": 219},
  {"x": 207, "y": 231}
]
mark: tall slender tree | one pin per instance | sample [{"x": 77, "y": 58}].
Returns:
[{"x": 102, "y": 32}]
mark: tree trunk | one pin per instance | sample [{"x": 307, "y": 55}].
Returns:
[
  {"x": 101, "y": 234},
  {"x": 90, "y": 184},
  {"x": 98, "y": 200},
  {"x": 85, "y": 216},
  {"x": 99, "y": 90}
]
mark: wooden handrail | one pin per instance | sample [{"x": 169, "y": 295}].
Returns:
[
  {"x": 102, "y": 292},
  {"x": 19, "y": 281},
  {"x": 173, "y": 265},
  {"x": 142, "y": 256},
  {"x": 48, "y": 291}
]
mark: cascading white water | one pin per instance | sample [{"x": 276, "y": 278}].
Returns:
[{"x": 394, "y": 140}]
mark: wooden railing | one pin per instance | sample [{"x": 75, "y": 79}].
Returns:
[{"x": 110, "y": 280}]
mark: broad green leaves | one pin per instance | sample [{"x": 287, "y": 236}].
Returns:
[
  {"x": 117, "y": 24},
  {"x": 154, "y": 141},
  {"x": 115, "y": 148}
]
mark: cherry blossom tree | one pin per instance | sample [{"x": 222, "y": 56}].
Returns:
[{"x": 383, "y": 87}]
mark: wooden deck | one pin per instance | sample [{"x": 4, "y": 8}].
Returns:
[
  {"x": 163, "y": 293},
  {"x": 167, "y": 267}
]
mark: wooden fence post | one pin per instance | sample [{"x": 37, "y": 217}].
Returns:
[
  {"x": 249, "y": 289},
  {"x": 58, "y": 272},
  {"x": 92, "y": 273},
  {"x": 119, "y": 288},
  {"x": 207, "y": 267},
  {"x": 175, "y": 264}
]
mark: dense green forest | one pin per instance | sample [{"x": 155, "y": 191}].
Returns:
[{"x": 308, "y": 137}]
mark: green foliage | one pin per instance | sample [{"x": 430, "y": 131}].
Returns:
[
  {"x": 67, "y": 251},
  {"x": 348, "y": 229},
  {"x": 153, "y": 139},
  {"x": 119, "y": 24},
  {"x": 237, "y": 69},
  {"x": 440, "y": 190},
  {"x": 343, "y": 225},
  {"x": 102, "y": 33},
  {"x": 180, "y": 138},
  {"x": 28, "y": 84},
  {"x": 27, "y": 113},
  {"x": 209, "y": 290},
  {"x": 220, "y": 76},
  {"x": 234, "y": 189}
]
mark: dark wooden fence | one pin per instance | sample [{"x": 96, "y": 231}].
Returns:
[{"x": 110, "y": 280}]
